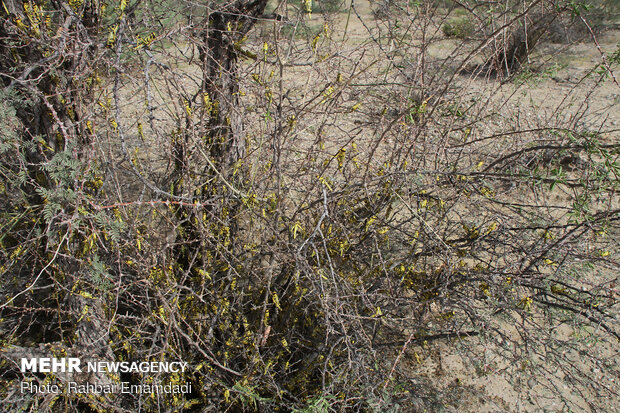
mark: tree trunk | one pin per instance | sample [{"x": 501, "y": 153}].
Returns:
[
  {"x": 224, "y": 29},
  {"x": 215, "y": 118},
  {"x": 519, "y": 44}
]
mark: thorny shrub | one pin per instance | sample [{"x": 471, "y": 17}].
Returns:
[{"x": 297, "y": 217}]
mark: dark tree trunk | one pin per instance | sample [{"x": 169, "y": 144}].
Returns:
[
  {"x": 224, "y": 28},
  {"x": 221, "y": 93},
  {"x": 216, "y": 116},
  {"x": 519, "y": 44}
]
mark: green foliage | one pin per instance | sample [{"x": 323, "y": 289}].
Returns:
[
  {"x": 460, "y": 28},
  {"x": 317, "y": 405},
  {"x": 532, "y": 76}
]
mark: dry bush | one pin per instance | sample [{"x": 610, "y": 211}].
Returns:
[{"x": 302, "y": 220}]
